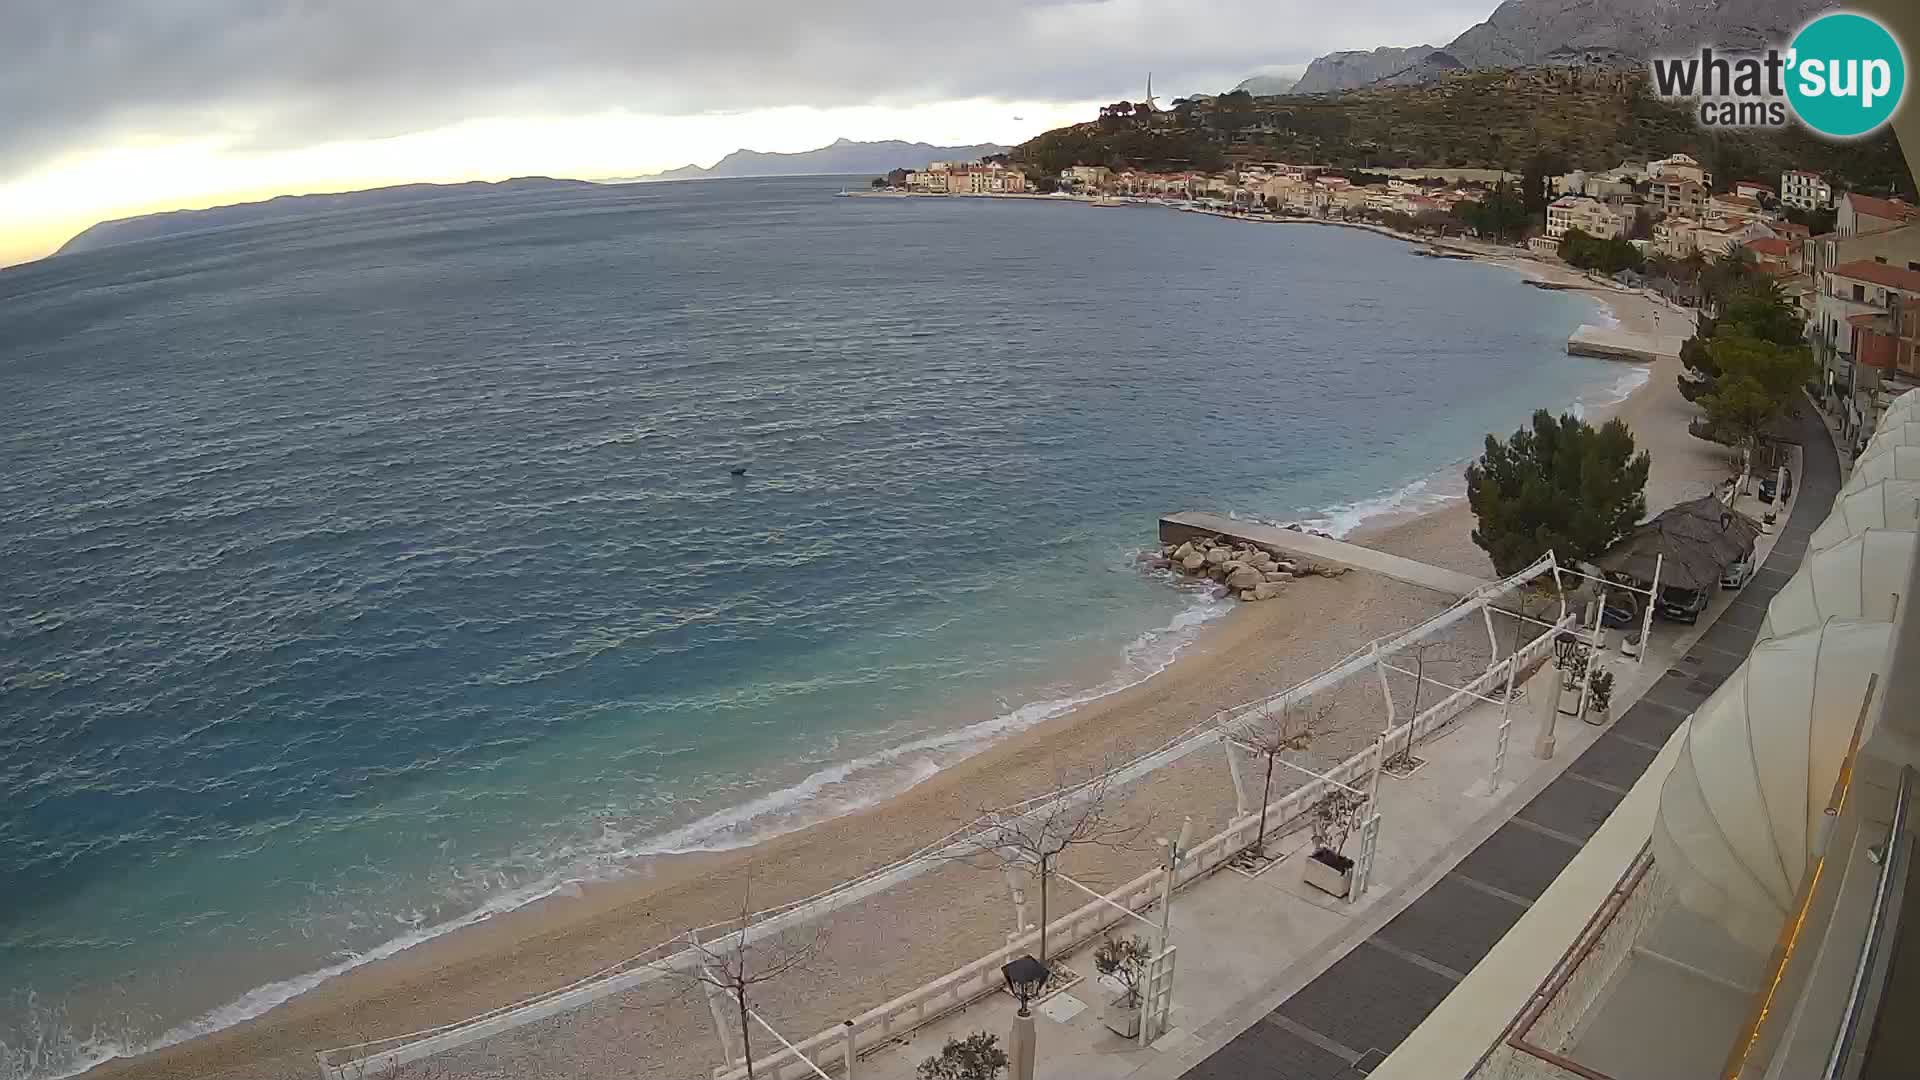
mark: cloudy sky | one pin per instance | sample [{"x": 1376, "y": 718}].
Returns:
[{"x": 114, "y": 107}]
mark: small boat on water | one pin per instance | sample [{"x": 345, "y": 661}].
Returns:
[{"x": 1107, "y": 202}]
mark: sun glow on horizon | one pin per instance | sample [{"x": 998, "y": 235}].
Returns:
[{"x": 43, "y": 209}]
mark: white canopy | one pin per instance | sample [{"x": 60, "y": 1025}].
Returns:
[
  {"x": 1854, "y": 579},
  {"x": 1896, "y": 463},
  {"x": 1894, "y": 434},
  {"x": 1886, "y": 504},
  {"x": 1740, "y": 815},
  {"x": 1905, "y": 408}
]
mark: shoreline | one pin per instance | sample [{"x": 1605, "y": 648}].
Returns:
[{"x": 573, "y": 930}]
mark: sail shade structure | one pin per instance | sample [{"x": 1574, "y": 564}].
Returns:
[
  {"x": 1695, "y": 541},
  {"x": 1741, "y": 812},
  {"x": 1896, "y": 463},
  {"x": 1859, "y": 578},
  {"x": 1905, "y": 409},
  {"x": 1893, "y": 434},
  {"x": 1886, "y": 504}
]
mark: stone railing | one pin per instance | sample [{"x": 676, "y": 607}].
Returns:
[{"x": 1534, "y": 1046}]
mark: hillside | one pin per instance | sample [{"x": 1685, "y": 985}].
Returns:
[
  {"x": 844, "y": 157},
  {"x": 151, "y": 226},
  {"x": 1528, "y": 33},
  {"x": 1557, "y": 118},
  {"x": 1347, "y": 70}
]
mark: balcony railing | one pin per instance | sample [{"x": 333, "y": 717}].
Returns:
[{"x": 1534, "y": 1046}]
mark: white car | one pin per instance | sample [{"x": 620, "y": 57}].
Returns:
[{"x": 1737, "y": 572}]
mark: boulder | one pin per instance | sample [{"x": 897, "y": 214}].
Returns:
[
  {"x": 1217, "y": 556},
  {"x": 1277, "y": 576},
  {"x": 1183, "y": 550},
  {"x": 1159, "y": 563},
  {"x": 1246, "y": 577},
  {"x": 1248, "y": 594},
  {"x": 1192, "y": 561},
  {"x": 1266, "y": 590}
]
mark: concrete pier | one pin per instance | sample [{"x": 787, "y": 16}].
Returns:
[
  {"x": 1179, "y": 528},
  {"x": 1614, "y": 343}
]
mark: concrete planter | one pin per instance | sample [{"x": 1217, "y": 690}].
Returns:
[
  {"x": 1121, "y": 1018},
  {"x": 1328, "y": 871}
]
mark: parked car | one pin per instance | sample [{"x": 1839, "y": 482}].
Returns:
[
  {"x": 1737, "y": 572},
  {"x": 1683, "y": 605},
  {"x": 1619, "y": 614},
  {"x": 1767, "y": 491}
]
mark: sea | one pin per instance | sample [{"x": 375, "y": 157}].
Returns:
[{"x": 366, "y": 573}]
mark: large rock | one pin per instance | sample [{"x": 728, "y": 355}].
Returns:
[
  {"x": 1218, "y": 556},
  {"x": 1183, "y": 550},
  {"x": 1277, "y": 576},
  {"x": 1246, "y": 577},
  {"x": 1266, "y": 590},
  {"x": 1192, "y": 561}
]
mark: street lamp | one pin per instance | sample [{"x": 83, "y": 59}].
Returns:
[{"x": 1025, "y": 977}]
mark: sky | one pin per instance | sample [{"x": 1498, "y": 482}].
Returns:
[{"x": 110, "y": 108}]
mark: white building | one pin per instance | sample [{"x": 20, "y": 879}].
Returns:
[
  {"x": 1589, "y": 216},
  {"x": 1806, "y": 190}
]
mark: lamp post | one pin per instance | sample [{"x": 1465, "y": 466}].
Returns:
[{"x": 1025, "y": 976}]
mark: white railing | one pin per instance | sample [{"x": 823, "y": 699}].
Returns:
[
  {"x": 367, "y": 1059},
  {"x": 981, "y": 977}
]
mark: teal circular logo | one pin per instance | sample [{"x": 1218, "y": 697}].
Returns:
[{"x": 1846, "y": 75}]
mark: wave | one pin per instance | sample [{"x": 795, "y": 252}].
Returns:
[
  {"x": 1416, "y": 497},
  {"x": 844, "y": 788},
  {"x": 827, "y": 793}
]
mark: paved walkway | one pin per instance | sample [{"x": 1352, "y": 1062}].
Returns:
[
  {"x": 1347, "y": 1020},
  {"x": 1322, "y": 549}
]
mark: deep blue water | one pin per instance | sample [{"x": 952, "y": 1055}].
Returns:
[{"x": 362, "y": 571}]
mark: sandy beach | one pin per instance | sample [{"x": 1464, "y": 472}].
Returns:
[{"x": 944, "y": 918}]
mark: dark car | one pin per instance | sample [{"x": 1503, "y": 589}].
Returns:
[{"x": 1683, "y": 605}]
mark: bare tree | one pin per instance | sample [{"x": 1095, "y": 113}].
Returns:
[
  {"x": 1270, "y": 732},
  {"x": 1031, "y": 837},
  {"x": 741, "y": 960},
  {"x": 1430, "y": 652}
]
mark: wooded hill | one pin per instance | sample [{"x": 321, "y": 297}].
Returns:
[{"x": 1591, "y": 118}]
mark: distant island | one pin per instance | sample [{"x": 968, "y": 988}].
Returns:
[
  {"x": 844, "y": 157},
  {"x": 172, "y": 222}
]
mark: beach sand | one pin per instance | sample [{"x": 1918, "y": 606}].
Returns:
[{"x": 945, "y": 918}]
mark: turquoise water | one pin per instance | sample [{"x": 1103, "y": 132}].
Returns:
[{"x": 368, "y": 573}]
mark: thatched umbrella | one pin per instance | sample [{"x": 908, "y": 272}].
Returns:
[{"x": 1694, "y": 543}]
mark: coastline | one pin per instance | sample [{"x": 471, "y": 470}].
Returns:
[{"x": 1257, "y": 649}]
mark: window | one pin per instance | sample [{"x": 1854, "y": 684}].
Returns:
[{"x": 1860, "y": 293}]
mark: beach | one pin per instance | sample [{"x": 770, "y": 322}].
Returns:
[{"x": 944, "y": 918}]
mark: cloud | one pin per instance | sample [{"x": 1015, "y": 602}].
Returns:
[{"x": 79, "y": 74}]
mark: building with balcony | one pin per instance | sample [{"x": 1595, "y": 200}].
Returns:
[
  {"x": 1678, "y": 196},
  {"x": 1588, "y": 215},
  {"x": 1805, "y": 190}
]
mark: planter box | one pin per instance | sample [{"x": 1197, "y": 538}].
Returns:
[
  {"x": 1121, "y": 1019},
  {"x": 1330, "y": 872}
]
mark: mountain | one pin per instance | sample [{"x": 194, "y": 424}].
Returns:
[
  {"x": 1268, "y": 85},
  {"x": 1528, "y": 33},
  {"x": 844, "y": 157},
  {"x": 169, "y": 223},
  {"x": 1346, "y": 70}
]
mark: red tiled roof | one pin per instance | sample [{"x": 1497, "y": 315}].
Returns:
[
  {"x": 1769, "y": 245},
  {"x": 1889, "y": 209},
  {"x": 1792, "y": 230},
  {"x": 1892, "y": 277}
]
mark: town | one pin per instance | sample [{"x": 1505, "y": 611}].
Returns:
[{"x": 1850, "y": 262}]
